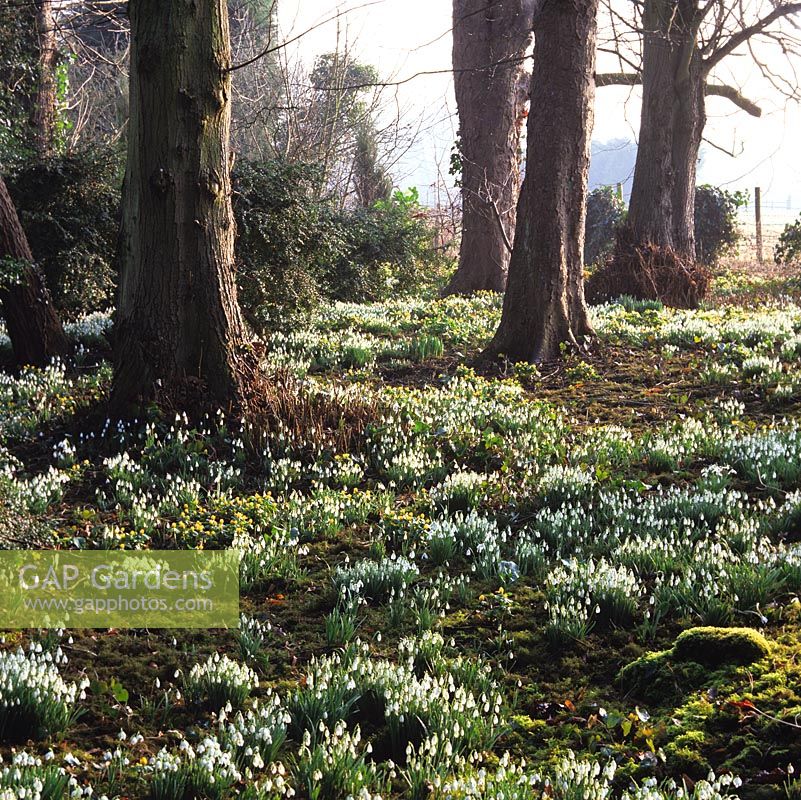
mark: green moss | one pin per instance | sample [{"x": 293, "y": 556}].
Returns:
[
  {"x": 692, "y": 714},
  {"x": 640, "y": 672},
  {"x": 684, "y": 761},
  {"x": 747, "y": 758},
  {"x": 458, "y": 620},
  {"x": 656, "y": 676},
  {"x": 714, "y": 647},
  {"x": 524, "y": 638},
  {"x": 690, "y": 739},
  {"x": 525, "y": 723},
  {"x": 668, "y": 674}
]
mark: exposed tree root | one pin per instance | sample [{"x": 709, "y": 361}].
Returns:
[{"x": 649, "y": 272}]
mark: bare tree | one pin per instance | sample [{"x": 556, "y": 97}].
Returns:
[
  {"x": 490, "y": 40},
  {"x": 678, "y": 50},
  {"x": 258, "y": 86},
  {"x": 334, "y": 111},
  {"x": 280, "y": 108},
  {"x": 544, "y": 303},
  {"x": 96, "y": 34}
]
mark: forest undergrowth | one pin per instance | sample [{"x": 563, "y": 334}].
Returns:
[{"x": 578, "y": 580}]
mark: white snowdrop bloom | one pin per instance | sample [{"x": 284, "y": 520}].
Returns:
[{"x": 32, "y": 688}]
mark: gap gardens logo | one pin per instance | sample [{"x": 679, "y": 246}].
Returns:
[{"x": 119, "y": 589}]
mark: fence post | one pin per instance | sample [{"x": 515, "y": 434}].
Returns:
[{"x": 758, "y": 212}]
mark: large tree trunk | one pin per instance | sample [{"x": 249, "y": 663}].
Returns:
[
  {"x": 44, "y": 109},
  {"x": 31, "y": 321},
  {"x": 544, "y": 303},
  {"x": 178, "y": 321},
  {"x": 490, "y": 39},
  {"x": 662, "y": 206},
  {"x": 690, "y": 117}
]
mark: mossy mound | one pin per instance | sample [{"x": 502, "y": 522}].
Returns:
[
  {"x": 667, "y": 674},
  {"x": 657, "y": 676},
  {"x": 714, "y": 647}
]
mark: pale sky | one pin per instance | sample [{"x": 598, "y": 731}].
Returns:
[{"x": 405, "y": 37}]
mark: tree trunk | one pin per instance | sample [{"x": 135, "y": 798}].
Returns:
[
  {"x": 178, "y": 321},
  {"x": 490, "y": 39},
  {"x": 544, "y": 303},
  {"x": 662, "y": 206},
  {"x": 44, "y": 110},
  {"x": 690, "y": 117},
  {"x": 31, "y": 321}
]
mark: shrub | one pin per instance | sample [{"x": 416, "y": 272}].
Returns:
[
  {"x": 716, "y": 228},
  {"x": 648, "y": 272},
  {"x": 389, "y": 250},
  {"x": 605, "y": 213},
  {"x": 295, "y": 249},
  {"x": 286, "y": 236},
  {"x": 788, "y": 250},
  {"x": 69, "y": 208}
]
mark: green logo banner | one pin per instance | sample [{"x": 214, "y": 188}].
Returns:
[{"x": 119, "y": 589}]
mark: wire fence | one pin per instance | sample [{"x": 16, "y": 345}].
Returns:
[{"x": 775, "y": 213}]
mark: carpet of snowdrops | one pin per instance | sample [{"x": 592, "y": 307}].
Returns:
[{"x": 501, "y": 589}]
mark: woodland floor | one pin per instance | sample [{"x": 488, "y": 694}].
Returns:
[{"x": 492, "y": 532}]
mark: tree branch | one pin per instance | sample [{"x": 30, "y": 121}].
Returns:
[
  {"x": 743, "y": 35},
  {"x": 497, "y": 214},
  {"x": 732, "y": 94},
  {"x": 618, "y": 79},
  {"x": 722, "y": 149}
]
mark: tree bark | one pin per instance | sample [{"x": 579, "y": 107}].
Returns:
[
  {"x": 178, "y": 320},
  {"x": 45, "y": 103},
  {"x": 490, "y": 40},
  {"x": 690, "y": 116},
  {"x": 662, "y": 206},
  {"x": 31, "y": 321},
  {"x": 544, "y": 304}
]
